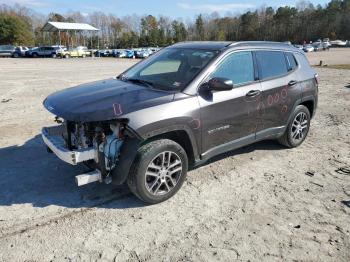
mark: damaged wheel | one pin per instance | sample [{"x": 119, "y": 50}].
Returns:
[{"x": 159, "y": 171}]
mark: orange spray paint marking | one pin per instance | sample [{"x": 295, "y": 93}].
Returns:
[
  {"x": 284, "y": 93},
  {"x": 284, "y": 109},
  {"x": 196, "y": 122},
  {"x": 260, "y": 109},
  {"x": 270, "y": 100}
]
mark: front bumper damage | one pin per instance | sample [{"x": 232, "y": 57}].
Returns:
[
  {"x": 107, "y": 148},
  {"x": 53, "y": 138}
]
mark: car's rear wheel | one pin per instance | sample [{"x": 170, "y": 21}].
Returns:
[
  {"x": 53, "y": 55},
  {"x": 15, "y": 55},
  {"x": 158, "y": 171},
  {"x": 298, "y": 128},
  {"x": 66, "y": 56}
]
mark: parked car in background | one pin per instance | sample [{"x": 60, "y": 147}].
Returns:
[
  {"x": 142, "y": 54},
  {"x": 317, "y": 46},
  {"x": 317, "y": 42},
  {"x": 43, "y": 51},
  {"x": 119, "y": 53},
  {"x": 338, "y": 43},
  {"x": 300, "y": 47},
  {"x": 130, "y": 53},
  {"x": 326, "y": 45},
  {"x": 180, "y": 108},
  {"x": 80, "y": 51},
  {"x": 155, "y": 49},
  {"x": 20, "y": 51},
  {"x": 104, "y": 53},
  {"x": 7, "y": 50},
  {"x": 308, "y": 48}
]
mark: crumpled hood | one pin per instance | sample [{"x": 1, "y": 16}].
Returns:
[{"x": 103, "y": 100}]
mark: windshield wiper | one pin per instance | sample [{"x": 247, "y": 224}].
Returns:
[{"x": 140, "y": 81}]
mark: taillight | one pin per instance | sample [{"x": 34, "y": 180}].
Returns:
[{"x": 316, "y": 78}]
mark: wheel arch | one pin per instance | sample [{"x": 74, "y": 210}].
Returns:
[
  {"x": 130, "y": 147},
  {"x": 181, "y": 137},
  {"x": 310, "y": 105}
]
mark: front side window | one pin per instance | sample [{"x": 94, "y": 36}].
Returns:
[
  {"x": 239, "y": 67},
  {"x": 271, "y": 64},
  {"x": 170, "y": 69}
]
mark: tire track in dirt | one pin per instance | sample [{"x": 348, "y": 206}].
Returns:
[{"x": 16, "y": 230}]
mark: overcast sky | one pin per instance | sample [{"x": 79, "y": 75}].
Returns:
[{"x": 173, "y": 8}]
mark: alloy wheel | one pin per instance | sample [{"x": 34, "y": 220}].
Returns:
[
  {"x": 299, "y": 127},
  {"x": 163, "y": 173}
]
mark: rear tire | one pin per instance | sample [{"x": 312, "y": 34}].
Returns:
[
  {"x": 158, "y": 171},
  {"x": 297, "y": 129}
]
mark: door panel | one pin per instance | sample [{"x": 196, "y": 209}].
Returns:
[
  {"x": 280, "y": 88},
  {"x": 230, "y": 115},
  {"x": 277, "y": 100}
]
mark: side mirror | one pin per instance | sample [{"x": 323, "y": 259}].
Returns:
[{"x": 220, "y": 84}]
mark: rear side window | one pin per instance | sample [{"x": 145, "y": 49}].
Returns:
[
  {"x": 271, "y": 64},
  {"x": 238, "y": 67},
  {"x": 291, "y": 62}
]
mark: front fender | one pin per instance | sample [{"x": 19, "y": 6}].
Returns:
[
  {"x": 131, "y": 144},
  {"x": 182, "y": 114}
]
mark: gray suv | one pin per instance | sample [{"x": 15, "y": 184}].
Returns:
[
  {"x": 44, "y": 51},
  {"x": 180, "y": 107}
]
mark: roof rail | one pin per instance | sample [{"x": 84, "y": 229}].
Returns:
[{"x": 258, "y": 43}]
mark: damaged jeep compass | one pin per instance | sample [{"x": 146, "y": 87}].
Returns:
[{"x": 180, "y": 107}]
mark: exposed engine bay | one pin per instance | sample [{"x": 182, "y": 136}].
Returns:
[{"x": 96, "y": 144}]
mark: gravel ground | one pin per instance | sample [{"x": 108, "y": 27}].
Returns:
[
  {"x": 335, "y": 56},
  {"x": 256, "y": 203}
]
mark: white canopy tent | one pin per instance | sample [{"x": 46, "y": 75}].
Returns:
[{"x": 65, "y": 27}]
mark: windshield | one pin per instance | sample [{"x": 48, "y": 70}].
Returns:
[{"x": 170, "y": 69}]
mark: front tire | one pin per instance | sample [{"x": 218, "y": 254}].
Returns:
[
  {"x": 158, "y": 171},
  {"x": 297, "y": 129}
]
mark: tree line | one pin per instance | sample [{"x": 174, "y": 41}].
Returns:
[{"x": 304, "y": 22}]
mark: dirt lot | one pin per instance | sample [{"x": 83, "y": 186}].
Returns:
[
  {"x": 335, "y": 56},
  {"x": 253, "y": 204}
]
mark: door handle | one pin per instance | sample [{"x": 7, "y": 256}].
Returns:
[
  {"x": 292, "y": 83},
  {"x": 252, "y": 93}
]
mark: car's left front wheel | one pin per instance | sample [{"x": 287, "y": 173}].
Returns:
[{"x": 158, "y": 171}]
